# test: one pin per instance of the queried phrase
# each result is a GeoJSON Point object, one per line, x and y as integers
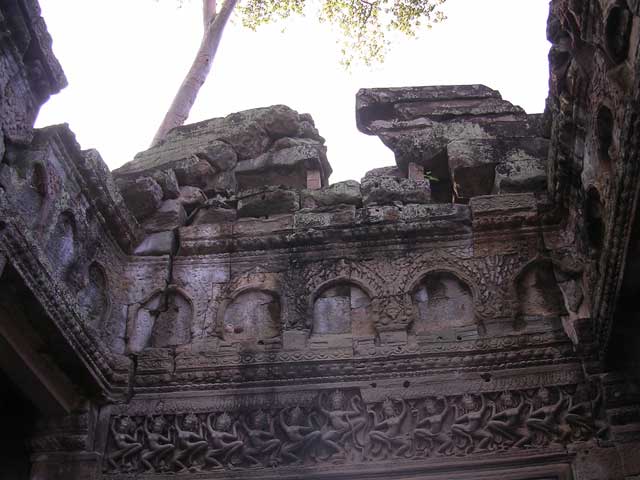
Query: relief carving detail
{"type": "Point", "coordinates": [339, 427]}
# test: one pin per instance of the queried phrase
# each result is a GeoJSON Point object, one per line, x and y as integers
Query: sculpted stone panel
{"type": "Point", "coordinates": [94, 298]}
{"type": "Point", "coordinates": [538, 293]}
{"type": "Point", "coordinates": [164, 320]}
{"type": "Point", "coordinates": [443, 302]}
{"type": "Point", "coordinates": [339, 427]}
{"type": "Point", "coordinates": [253, 316]}
{"type": "Point", "coordinates": [343, 309]}
{"type": "Point", "coordinates": [61, 246]}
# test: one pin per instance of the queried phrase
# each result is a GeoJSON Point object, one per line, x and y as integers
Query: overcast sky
{"type": "Point", "coordinates": [124, 60]}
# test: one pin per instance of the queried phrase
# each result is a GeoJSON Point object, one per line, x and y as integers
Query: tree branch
{"type": "Point", "coordinates": [208, 12]}
{"type": "Point", "coordinates": [200, 68]}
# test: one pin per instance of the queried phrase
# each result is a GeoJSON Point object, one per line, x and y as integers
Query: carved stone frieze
{"type": "Point", "coordinates": [341, 427]}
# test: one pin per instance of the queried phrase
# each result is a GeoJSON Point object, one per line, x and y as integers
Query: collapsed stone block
{"type": "Point", "coordinates": [195, 173]}
{"type": "Point", "coordinates": [170, 215]}
{"type": "Point", "coordinates": [143, 196]}
{"type": "Point", "coordinates": [263, 202]}
{"type": "Point", "coordinates": [191, 197]}
{"type": "Point", "coordinates": [160, 243]}
{"type": "Point", "coordinates": [287, 166]}
{"type": "Point", "coordinates": [214, 212]}
{"type": "Point", "coordinates": [347, 192]}
{"type": "Point", "coordinates": [168, 182]}
{"type": "Point", "coordinates": [385, 186]}
{"type": "Point", "coordinates": [472, 166]}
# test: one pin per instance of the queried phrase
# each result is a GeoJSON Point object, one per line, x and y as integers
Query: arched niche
{"type": "Point", "coordinates": [94, 297]}
{"type": "Point", "coordinates": [444, 305]}
{"type": "Point", "coordinates": [61, 247]}
{"type": "Point", "coordinates": [343, 308]}
{"type": "Point", "coordinates": [538, 293]}
{"type": "Point", "coordinates": [617, 32]}
{"type": "Point", "coordinates": [163, 320]}
{"type": "Point", "coordinates": [604, 134]}
{"type": "Point", "coordinates": [252, 316]}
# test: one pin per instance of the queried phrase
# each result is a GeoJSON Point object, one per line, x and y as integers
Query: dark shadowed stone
{"type": "Point", "coordinates": [287, 166]}
{"type": "Point", "coordinates": [191, 197]}
{"type": "Point", "coordinates": [195, 174]}
{"type": "Point", "coordinates": [347, 192]}
{"type": "Point", "coordinates": [527, 175]}
{"type": "Point", "coordinates": [472, 167]}
{"type": "Point", "coordinates": [168, 182]}
{"type": "Point", "coordinates": [214, 211]}
{"type": "Point", "coordinates": [170, 215]}
{"type": "Point", "coordinates": [483, 166]}
{"type": "Point", "coordinates": [220, 155]}
{"type": "Point", "coordinates": [160, 243]}
{"type": "Point", "coordinates": [223, 183]}
{"type": "Point", "coordinates": [143, 196]}
{"type": "Point", "coordinates": [385, 186]}
{"type": "Point", "coordinates": [262, 202]}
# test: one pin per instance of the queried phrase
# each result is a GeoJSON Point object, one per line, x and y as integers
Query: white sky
{"type": "Point", "coordinates": [125, 59]}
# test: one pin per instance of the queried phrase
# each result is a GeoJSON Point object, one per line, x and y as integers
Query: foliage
{"type": "Point", "coordinates": [365, 25]}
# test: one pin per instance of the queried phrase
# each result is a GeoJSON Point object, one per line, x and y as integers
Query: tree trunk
{"type": "Point", "coordinates": [188, 91]}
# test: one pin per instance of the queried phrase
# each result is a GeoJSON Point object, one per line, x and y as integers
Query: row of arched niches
{"type": "Point", "coordinates": [439, 307]}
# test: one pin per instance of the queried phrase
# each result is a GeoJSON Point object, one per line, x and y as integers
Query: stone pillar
{"type": "Point", "coordinates": [63, 448]}
{"type": "Point", "coordinates": [314, 180]}
{"type": "Point", "coordinates": [65, 466]}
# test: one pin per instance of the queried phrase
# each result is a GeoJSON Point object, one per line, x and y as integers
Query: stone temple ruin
{"type": "Point", "coordinates": [216, 309]}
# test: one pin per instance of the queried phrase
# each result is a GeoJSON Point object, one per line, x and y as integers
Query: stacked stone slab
{"type": "Point", "coordinates": [466, 137]}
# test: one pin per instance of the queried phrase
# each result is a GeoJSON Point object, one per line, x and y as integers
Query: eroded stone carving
{"type": "Point", "coordinates": [164, 320]}
{"type": "Point", "coordinates": [443, 303]}
{"type": "Point", "coordinates": [94, 298]}
{"type": "Point", "coordinates": [538, 293]}
{"type": "Point", "coordinates": [343, 309]}
{"type": "Point", "coordinates": [340, 427]}
{"type": "Point", "coordinates": [253, 316]}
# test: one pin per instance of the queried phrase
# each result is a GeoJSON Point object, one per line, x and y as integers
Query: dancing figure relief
{"type": "Point", "coordinates": [127, 445]}
{"type": "Point", "coordinates": [388, 431]}
{"type": "Point", "coordinates": [341, 422]}
{"type": "Point", "coordinates": [191, 443]}
{"type": "Point", "coordinates": [223, 434]}
{"type": "Point", "coordinates": [509, 422]}
{"type": "Point", "coordinates": [261, 439]}
{"type": "Point", "coordinates": [546, 417]}
{"type": "Point", "coordinates": [433, 428]}
{"type": "Point", "coordinates": [471, 425]}
{"type": "Point", "coordinates": [299, 436]}
{"type": "Point", "coordinates": [340, 427]}
{"type": "Point", "coordinates": [159, 446]}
